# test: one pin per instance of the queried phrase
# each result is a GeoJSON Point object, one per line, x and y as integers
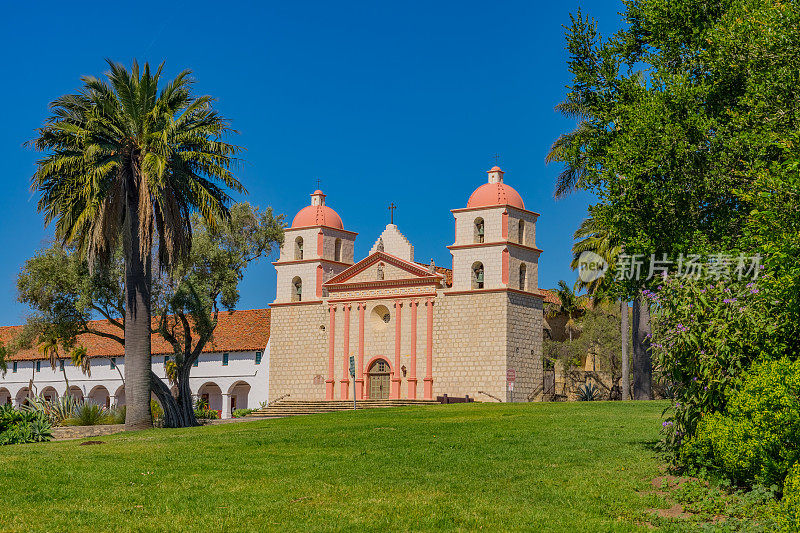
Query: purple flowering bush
{"type": "Point", "coordinates": [705, 334]}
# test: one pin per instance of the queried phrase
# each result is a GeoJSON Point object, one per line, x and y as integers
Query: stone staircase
{"type": "Point", "coordinates": [310, 407]}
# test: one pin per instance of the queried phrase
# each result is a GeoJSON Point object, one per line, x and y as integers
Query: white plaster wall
{"type": "Point", "coordinates": [241, 368]}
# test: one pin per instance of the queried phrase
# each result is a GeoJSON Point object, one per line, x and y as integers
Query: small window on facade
{"type": "Point", "coordinates": [298, 248]}
{"type": "Point", "coordinates": [258, 358]}
{"type": "Point", "coordinates": [337, 250]}
{"type": "Point", "coordinates": [196, 362]}
{"type": "Point", "coordinates": [297, 290]}
{"type": "Point", "coordinates": [479, 230]}
{"type": "Point", "coordinates": [521, 232]}
{"type": "Point", "coordinates": [14, 368]}
{"type": "Point", "coordinates": [477, 275]}
{"type": "Point", "coordinates": [61, 365]}
{"type": "Point", "coordinates": [523, 273]}
{"type": "Point", "coordinates": [166, 360]}
{"type": "Point", "coordinates": [225, 359]}
{"type": "Point", "coordinates": [38, 366]}
{"type": "Point", "coordinates": [113, 363]}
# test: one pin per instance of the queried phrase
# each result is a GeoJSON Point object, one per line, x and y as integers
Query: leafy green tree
{"type": "Point", "coordinates": [126, 163]}
{"type": "Point", "coordinates": [64, 296]}
{"type": "Point", "coordinates": [190, 300]}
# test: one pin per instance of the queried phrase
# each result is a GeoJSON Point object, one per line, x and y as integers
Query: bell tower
{"type": "Point", "coordinates": [315, 248]}
{"type": "Point", "coordinates": [495, 240]}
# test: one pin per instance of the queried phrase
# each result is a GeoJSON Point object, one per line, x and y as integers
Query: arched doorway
{"type": "Point", "coordinates": [50, 394]}
{"type": "Point", "coordinates": [77, 393]}
{"type": "Point", "coordinates": [379, 380]}
{"type": "Point", "coordinates": [99, 395]}
{"type": "Point", "coordinates": [239, 392]}
{"type": "Point", "coordinates": [211, 394]}
{"type": "Point", "coordinates": [22, 396]}
{"type": "Point", "coordinates": [5, 396]}
{"type": "Point", "coordinates": [120, 396]}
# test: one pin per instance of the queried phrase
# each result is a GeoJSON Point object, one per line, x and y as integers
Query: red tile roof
{"type": "Point", "coordinates": [446, 272]}
{"type": "Point", "coordinates": [550, 296]}
{"type": "Point", "coordinates": [237, 331]}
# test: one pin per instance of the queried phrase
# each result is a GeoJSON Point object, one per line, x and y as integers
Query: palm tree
{"type": "Point", "coordinates": [593, 236]}
{"type": "Point", "coordinates": [568, 148]}
{"type": "Point", "coordinates": [49, 348]}
{"type": "Point", "coordinates": [570, 306]}
{"type": "Point", "coordinates": [126, 164]}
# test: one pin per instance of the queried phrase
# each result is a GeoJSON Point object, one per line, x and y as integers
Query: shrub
{"type": "Point", "coordinates": [706, 333]}
{"type": "Point", "coordinates": [156, 410]}
{"type": "Point", "coordinates": [241, 413]}
{"type": "Point", "coordinates": [756, 439]}
{"type": "Point", "coordinates": [117, 414]}
{"type": "Point", "coordinates": [57, 411]}
{"type": "Point", "coordinates": [89, 414]}
{"type": "Point", "coordinates": [17, 427]}
{"type": "Point", "coordinates": [206, 414]}
{"type": "Point", "coordinates": [790, 517]}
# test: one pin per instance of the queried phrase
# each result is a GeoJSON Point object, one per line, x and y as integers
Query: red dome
{"type": "Point", "coordinates": [317, 215]}
{"type": "Point", "coordinates": [491, 194]}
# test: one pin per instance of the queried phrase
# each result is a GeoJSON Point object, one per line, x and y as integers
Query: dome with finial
{"type": "Point", "coordinates": [495, 192]}
{"type": "Point", "coordinates": [317, 214]}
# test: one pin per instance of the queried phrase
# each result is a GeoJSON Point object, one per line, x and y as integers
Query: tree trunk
{"type": "Point", "coordinates": [625, 382]}
{"type": "Point", "coordinates": [642, 369]}
{"type": "Point", "coordinates": [178, 413]}
{"type": "Point", "coordinates": [64, 371]}
{"type": "Point", "coordinates": [137, 324]}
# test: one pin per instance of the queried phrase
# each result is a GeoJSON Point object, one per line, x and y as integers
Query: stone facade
{"type": "Point", "coordinates": [413, 330]}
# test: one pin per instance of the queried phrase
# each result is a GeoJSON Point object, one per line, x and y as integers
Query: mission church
{"type": "Point", "coordinates": [415, 330]}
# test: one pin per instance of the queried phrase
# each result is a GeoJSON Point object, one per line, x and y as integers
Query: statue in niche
{"type": "Point", "coordinates": [380, 272]}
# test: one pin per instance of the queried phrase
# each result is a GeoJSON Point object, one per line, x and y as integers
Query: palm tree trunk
{"type": "Point", "coordinates": [642, 369]}
{"type": "Point", "coordinates": [137, 324]}
{"type": "Point", "coordinates": [64, 371]}
{"type": "Point", "coordinates": [625, 383]}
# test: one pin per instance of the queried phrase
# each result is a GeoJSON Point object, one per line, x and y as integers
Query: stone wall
{"type": "Point", "coordinates": [84, 432]}
{"type": "Point", "coordinates": [298, 351]}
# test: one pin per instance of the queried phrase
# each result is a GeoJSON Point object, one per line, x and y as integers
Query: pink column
{"type": "Point", "coordinates": [429, 353]}
{"type": "Point", "coordinates": [331, 349]}
{"type": "Point", "coordinates": [359, 392]}
{"type": "Point", "coordinates": [345, 381]}
{"type": "Point", "coordinates": [412, 375]}
{"type": "Point", "coordinates": [395, 395]}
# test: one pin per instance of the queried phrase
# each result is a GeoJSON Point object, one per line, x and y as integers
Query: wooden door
{"type": "Point", "coordinates": [379, 381]}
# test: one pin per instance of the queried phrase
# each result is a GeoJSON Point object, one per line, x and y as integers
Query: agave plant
{"type": "Point", "coordinates": [56, 411]}
{"type": "Point", "coordinates": [588, 392]}
{"type": "Point", "coordinates": [89, 414]}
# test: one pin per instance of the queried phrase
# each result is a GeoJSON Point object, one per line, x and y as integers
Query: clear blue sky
{"type": "Point", "coordinates": [379, 100]}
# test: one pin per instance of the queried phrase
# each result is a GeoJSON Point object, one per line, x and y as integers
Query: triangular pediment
{"type": "Point", "coordinates": [382, 267]}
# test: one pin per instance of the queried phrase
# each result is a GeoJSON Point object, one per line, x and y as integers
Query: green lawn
{"type": "Point", "coordinates": [540, 466]}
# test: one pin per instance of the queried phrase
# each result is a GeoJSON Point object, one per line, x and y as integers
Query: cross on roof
{"type": "Point", "coordinates": [496, 158]}
{"type": "Point", "coordinates": [392, 207]}
{"type": "Point", "coordinates": [317, 183]}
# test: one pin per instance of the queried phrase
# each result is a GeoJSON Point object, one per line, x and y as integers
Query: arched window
{"type": "Point", "coordinates": [479, 229]}
{"type": "Point", "coordinates": [298, 248]}
{"type": "Point", "coordinates": [337, 250]}
{"type": "Point", "coordinates": [297, 289]}
{"type": "Point", "coordinates": [523, 274]}
{"type": "Point", "coordinates": [521, 232]}
{"type": "Point", "coordinates": [477, 275]}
